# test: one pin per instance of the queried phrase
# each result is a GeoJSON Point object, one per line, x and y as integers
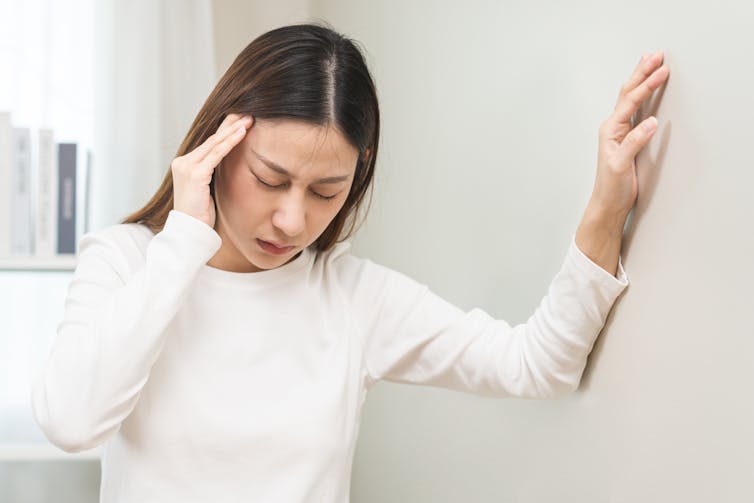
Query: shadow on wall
{"type": "Point", "coordinates": [647, 169]}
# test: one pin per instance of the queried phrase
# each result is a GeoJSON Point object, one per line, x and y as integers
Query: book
{"type": "Point", "coordinates": [22, 219]}
{"type": "Point", "coordinates": [66, 222]}
{"type": "Point", "coordinates": [6, 161]}
{"type": "Point", "coordinates": [85, 192]}
{"type": "Point", "coordinates": [46, 214]}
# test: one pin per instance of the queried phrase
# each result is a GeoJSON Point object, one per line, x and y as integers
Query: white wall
{"type": "Point", "coordinates": [238, 22]}
{"type": "Point", "coordinates": [153, 68]}
{"type": "Point", "coordinates": [490, 116]}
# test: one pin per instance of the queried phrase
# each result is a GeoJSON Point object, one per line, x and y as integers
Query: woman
{"type": "Point", "coordinates": [221, 340]}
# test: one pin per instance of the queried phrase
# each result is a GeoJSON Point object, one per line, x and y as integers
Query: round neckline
{"type": "Point", "coordinates": [260, 278]}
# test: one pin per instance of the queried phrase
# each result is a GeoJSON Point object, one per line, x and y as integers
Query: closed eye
{"type": "Point", "coordinates": [273, 187]}
{"type": "Point", "coordinates": [267, 184]}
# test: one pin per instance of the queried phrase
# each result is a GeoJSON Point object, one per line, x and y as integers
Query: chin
{"type": "Point", "coordinates": [264, 261]}
{"type": "Point", "coordinates": [260, 261]}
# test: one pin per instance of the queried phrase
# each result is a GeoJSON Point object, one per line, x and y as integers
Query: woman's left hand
{"type": "Point", "coordinates": [600, 232]}
{"type": "Point", "coordinates": [616, 188]}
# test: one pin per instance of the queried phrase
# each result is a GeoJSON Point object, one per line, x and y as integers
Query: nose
{"type": "Point", "coordinates": [290, 214]}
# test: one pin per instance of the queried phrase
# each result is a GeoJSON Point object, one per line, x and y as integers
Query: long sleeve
{"type": "Point", "coordinates": [411, 335]}
{"type": "Point", "coordinates": [115, 318]}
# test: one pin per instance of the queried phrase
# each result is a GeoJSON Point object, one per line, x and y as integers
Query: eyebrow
{"type": "Point", "coordinates": [276, 167]}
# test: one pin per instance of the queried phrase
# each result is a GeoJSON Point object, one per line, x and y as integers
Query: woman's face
{"type": "Point", "coordinates": [320, 165]}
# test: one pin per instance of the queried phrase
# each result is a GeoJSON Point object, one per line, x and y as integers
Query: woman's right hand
{"type": "Point", "coordinates": [192, 173]}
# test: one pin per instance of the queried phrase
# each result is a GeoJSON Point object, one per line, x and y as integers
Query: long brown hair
{"type": "Point", "coordinates": [306, 72]}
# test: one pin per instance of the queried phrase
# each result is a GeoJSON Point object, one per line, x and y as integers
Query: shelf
{"type": "Point", "coordinates": [56, 263]}
{"type": "Point", "coordinates": [44, 452]}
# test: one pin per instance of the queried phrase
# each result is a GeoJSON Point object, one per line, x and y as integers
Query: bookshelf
{"type": "Point", "coordinates": [47, 197]}
{"type": "Point", "coordinates": [66, 262]}
{"type": "Point", "coordinates": [44, 452]}
{"type": "Point", "coordinates": [32, 289]}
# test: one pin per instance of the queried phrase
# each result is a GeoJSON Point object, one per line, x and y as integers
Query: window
{"type": "Point", "coordinates": [46, 81]}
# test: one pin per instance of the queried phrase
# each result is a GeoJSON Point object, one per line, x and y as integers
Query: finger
{"type": "Point", "coordinates": [631, 102]}
{"type": "Point", "coordinates": [643, 70]}
{"type": "Point", "coordinates": [221, 149]}
{"type": "Point", "coordinates": [228, 125]}
{"type": "Point", "coordinates": [635, 140]}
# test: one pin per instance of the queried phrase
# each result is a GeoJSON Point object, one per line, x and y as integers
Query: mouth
{"type": "Point", "coordinates": [273, 248]}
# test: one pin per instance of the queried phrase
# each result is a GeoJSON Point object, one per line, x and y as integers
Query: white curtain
{"type": "Point", "coordinates": [46, 63]}
{"type": "Point", "coordinates": [46, 68]}
{"type": "Point", "coordinates": [124, 78]}
{"type": "Point", "coordinates": [154, 67]}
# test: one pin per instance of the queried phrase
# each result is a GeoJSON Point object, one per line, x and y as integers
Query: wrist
{"type": "Point", "coordinates": [606, 217]}
{"type": "Point", "coordinates": [600, 234]}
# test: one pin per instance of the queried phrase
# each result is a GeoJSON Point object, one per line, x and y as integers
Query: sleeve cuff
{"type": "Point", "coordinates": [596, 273]}
{"type": "Point", "coordinates": [194, 233]}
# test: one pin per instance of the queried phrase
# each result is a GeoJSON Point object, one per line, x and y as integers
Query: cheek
{"type": "Point", "coordinates": [323, 215]}
{"type": "Point", "coordinates": [243, 199]}
{"type": "Point", "coordinates": [255, 203]}
{"type": "Point", "coordinates": [327, 213]}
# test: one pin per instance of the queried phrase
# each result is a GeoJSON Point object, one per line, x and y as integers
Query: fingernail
{"type": "Point", "coordinates": [650, 124]}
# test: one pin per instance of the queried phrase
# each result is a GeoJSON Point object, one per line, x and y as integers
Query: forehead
{"type": "Point", "coordinates": [301, 148]}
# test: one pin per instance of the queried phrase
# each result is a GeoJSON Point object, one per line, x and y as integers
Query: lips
{"type": "Point", "coordinates": [276, 245]}
{"type": "Point", "coordinates": [274, 249]}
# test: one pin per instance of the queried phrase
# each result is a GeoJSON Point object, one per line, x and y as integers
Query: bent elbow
{"type": "Point", "coordinates": [66, 431]}
{"type": "Point", "coordinates": [542, 386]}
{"type": "Point", "coordinates": [558, 386]}
{"type": "Point", "coordinates": [70, 440]}
{"type": "Point", "coordinates": [69, 437]}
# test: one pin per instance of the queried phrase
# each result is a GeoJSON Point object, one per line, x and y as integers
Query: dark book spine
{"type": "Point", "coordinates": [66, 198]}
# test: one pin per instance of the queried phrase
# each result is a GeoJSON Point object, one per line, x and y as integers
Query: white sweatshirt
{"type": "Point", "coordinates": [209, 385]}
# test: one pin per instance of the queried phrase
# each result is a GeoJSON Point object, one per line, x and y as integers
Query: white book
{"type": "Point", "coordinates": [6, 161]}
{"type": "Point", "coordinates": [86, 193]}
{"type": "Point", "coordinates": [22, 232]}
{"type": "Point", "coordinates": [83, 175]}
{"type": "Point", "coordinates": [46, 205]}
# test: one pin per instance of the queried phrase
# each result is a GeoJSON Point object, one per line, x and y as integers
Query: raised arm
{"type": "Point", "coordinates": [113, 329]}
{"type": "Point", "coordinates": [116, 316]}
{"type": "Point", "coordinates": [411, 335]}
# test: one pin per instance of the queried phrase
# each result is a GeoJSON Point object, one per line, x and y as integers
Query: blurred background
{"type": "Point", "coordinates": [490, 112]}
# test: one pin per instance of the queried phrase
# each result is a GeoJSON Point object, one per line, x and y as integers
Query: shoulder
{"type": "Point", "coordinates": [357, 274]}
{"type": "Point", "coordinates": [340, 261]}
